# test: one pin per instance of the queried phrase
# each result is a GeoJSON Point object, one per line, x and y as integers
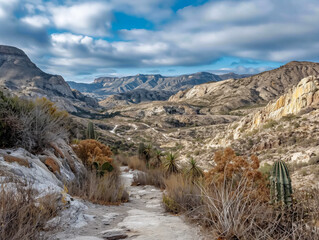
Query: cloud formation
{"type": "Point", "coordinates": [78, 37]}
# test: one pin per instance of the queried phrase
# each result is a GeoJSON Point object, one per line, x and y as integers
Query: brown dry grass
{"type": "Point", "coordinates": [136, 163]}
{"type": "Point", "coordinates": [104, 190]}
{"type": "Point", "coordinates": [22, 216]}
{"type": "Point", "coordinates": [153, 177]}
{"type": "Point", "coordinates": [20, 161]}
{"type": "Point", "coordinates": [57, 150]}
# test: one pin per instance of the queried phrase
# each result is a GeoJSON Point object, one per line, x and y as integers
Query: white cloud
{"type": "Point", "coordinates": [36, 21]}
{"type": "Point", "coordinates": [90, 18]}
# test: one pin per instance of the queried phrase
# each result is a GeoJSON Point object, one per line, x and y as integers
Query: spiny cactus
{"type": "Point", "coordinates": [90, 132]}
{"type": "Point", "coordinates": [102, 169]}
{"type": "Point", "coordinates": [281, 189]}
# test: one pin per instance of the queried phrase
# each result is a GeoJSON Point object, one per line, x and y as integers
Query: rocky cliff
{"type": "Point", "coordinates": [24, 78]}
{"type": "Point", "coordinates": [259, 89]}
{"type": "Point", "coordinates": [304, 95]}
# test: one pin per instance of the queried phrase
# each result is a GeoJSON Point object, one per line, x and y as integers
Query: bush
{"type": "Point", "coordinates": [232, 168]}
{"type": "Point", "coordinates": [181, 194]}
{"type": "Point", "coordinates": [153, 177]}
{"type": "Point", "coordinates": [32, 125]}
{"type": "Point", "coordinates": [22, 215]}
{"type": "Point", "coordinates": [105, 190]}
{"type": "Point", "coordinates": [92, 151]}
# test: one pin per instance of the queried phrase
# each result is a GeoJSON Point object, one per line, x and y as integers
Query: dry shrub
{"type": "Point", "coordinates": [106, 189]}
{"type": "Point", "coordinates": [181, 195]}
{"type": "Point", "coordinates": [32, 125]}
{"type": "Point", "coordinates": [20, 161]}
{"type": "Point", "coordinates": [153, 177]}
{"type": "Point", "coordinates": [52, 165]}
{"type": "Point", "coordinates": [91, 150]}
{"type": "Point", "coordinates": [232, 168]}
{"type": "Point", "coordinates": [136, 163]}
{"type": "Point", "coordinates": [22, 216]}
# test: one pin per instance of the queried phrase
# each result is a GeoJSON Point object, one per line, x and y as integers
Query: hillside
{"type": "Point", "coordinates": [134, 97]}
{"type": "Point", "coordinates": [255, 90]}
{"type": "Point", "coordinates": [20, 75]}
{"type": "Point", "coordinates": [105, 86]}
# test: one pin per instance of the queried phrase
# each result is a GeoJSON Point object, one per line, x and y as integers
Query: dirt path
{"type": "Point", "coordinates": [141, 218]}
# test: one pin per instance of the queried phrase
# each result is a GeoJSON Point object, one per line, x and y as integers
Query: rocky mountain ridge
{"type": "Point", "coordinates": [255, 90]}
{"type": "Point", "coordinates": [106, 86]}
{"type": "Point", "coordinates": [23, 78]}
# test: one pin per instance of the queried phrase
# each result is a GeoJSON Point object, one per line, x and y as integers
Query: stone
{"type": "Point", "coordinates": [114, 234]}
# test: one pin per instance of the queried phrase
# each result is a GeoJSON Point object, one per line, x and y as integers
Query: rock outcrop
{"type": "Point", "coordinates": [255, 90]}
{"type": "Point", "coordinates": [305, 94]}
{"type": "Point", "coordinates": [25, 79]}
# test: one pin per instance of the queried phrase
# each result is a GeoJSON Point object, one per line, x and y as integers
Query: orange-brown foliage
{"type": "Point", "coordinates": [52, 165]}
{"type": "Point", "coordinates": [20, 161]}
{"type": "Point", "coordinates": [230, 167]}
{"type": "Point", "coordinates": [90, 151]}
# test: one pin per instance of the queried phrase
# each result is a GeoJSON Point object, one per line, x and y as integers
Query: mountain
{"type": "Point", "coordinates": [233, 75]}
{"type": "Point", "coordinates": [105, 86]}
{"type": "Point", "coordinates": [21, 76]}
{"type": "Point", "coordinates": [134, 97]}
{"type": "Point", "coordinates": [224, 96]}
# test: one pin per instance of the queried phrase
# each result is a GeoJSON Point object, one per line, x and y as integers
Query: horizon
{"type": "Point", "coordinates": [84, 39]}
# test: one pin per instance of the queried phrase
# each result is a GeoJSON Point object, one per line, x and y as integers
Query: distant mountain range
{"type": "Point", "coordinates": [19, 75]}
{"type": "Point", "coordinates": [106, 86]}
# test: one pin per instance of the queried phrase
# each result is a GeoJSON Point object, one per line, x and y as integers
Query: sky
{"type": "Point", "coordinates": [84, 39]}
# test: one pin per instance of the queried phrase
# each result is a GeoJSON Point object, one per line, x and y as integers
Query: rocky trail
{"type": "Point", "coordinates": [143, 217]}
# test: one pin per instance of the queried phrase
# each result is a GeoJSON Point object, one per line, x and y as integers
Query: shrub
{"type": "Point", "coordinates": [153, 177]}
{"type": "Point", "coordinates": [30, 124]}
{"type": "Point", "coordinates": [90, 151]}
{"type": "Point", "coordinates": [106, 189]}
{"type": "Point", "coordinates": [136, 164]}
{"type": "Point", "coordinates": [231, 167]}
{"type": "Point", "coordinates": [22, 215]}
{"type": "Point", "coordinates": [181, 194]}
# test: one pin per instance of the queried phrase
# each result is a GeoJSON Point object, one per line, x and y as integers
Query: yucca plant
{"type": "Point", "coordinates": [170, 164]}
{"type": "Point", "coordinates": [281, 189]}
{"type": "Point", "coordinates": [158, 158]}
{"type": "Point", "coordinates": [148, 154]}
{"type": "Point", "coordinates": [194, 171]}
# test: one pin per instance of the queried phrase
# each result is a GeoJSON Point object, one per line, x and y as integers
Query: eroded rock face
{"type": "Point", "coordinates": [19, 75]}
{"type": "Point", "coordinates": [304, 95]}
{"type": "Point", "coordinates": [246, 92]}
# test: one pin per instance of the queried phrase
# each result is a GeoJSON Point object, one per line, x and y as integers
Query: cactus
{"type": "Point", "coordinates": [281, 189]}
{"type": "Point", "coordinates": [90, 132]}
{"type": "Point", "coordinates": [101, 169]}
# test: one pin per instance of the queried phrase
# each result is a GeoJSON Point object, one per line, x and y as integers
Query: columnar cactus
{"type": "Point", "coordinates": [281, 189]}
{"type": "Point", "coordinates": [90, 132]}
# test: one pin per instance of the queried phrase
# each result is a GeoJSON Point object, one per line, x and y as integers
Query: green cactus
{"type": "Point", "coordinates": [90, 132]}
{"type": "Point", "coordinates": [281, 189]}
{"type": "Point", "coordinates": [102, 169]}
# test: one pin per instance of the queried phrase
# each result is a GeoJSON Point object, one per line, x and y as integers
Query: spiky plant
{"type": "Point", "coordinates": [194, 171]}
{"type": "Point", "coordinates": [170, 164]}
{"type": "Point", "coordinates": [281, 189]}
{"type": "Point", "coordinates": [158, 158]}
{"type": "Point", "coordinates": [148, 153]}
{"type": "Point", "coordinates": [90, 132]}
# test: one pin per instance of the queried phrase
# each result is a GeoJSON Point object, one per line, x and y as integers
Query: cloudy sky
{"type": "Point", "coordinates": [84, 39]}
